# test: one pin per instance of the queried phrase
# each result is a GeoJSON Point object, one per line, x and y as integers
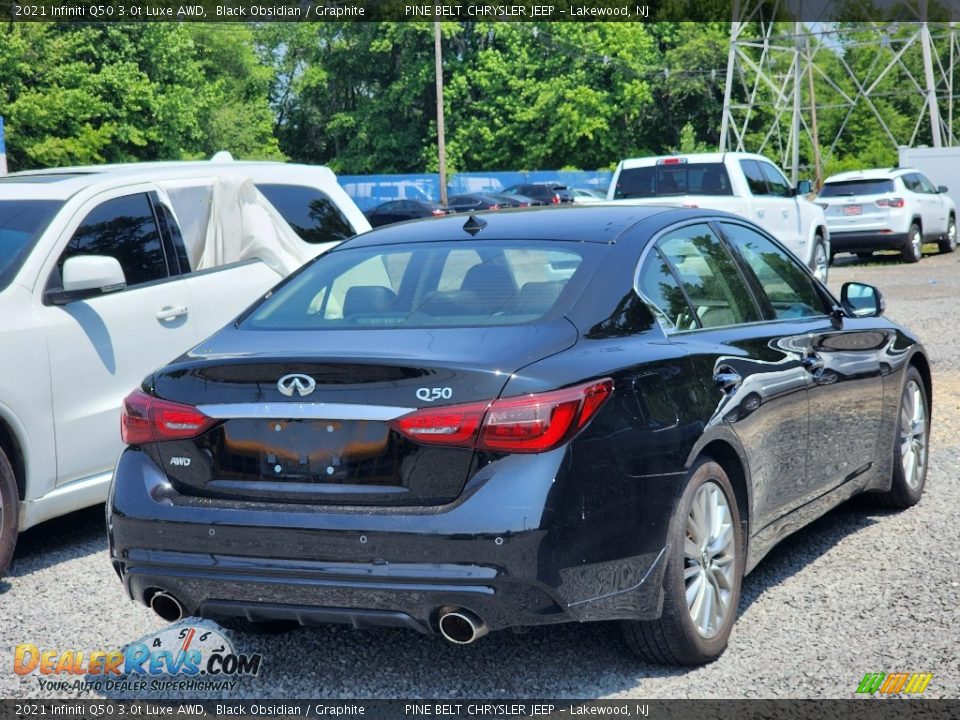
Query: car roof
{"type": "Point", "coordinates": [64, 182]}
{"type": "Point", "coordinates": [871, 174]}
{"type": "Point", "coordinates": [715, 157]}
{"type": "Point", "coordinates": [593, 223]}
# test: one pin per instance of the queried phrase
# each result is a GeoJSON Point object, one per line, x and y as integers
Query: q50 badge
{"type": "Point", "coordinates": [434, 394]}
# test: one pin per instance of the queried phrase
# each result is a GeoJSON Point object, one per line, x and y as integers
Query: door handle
{"type": "Point", "coordinates": [760, 213]}
{"type": "Point", "coordinates": [812, 363]}
{"type": "Point", "coordinates": [785, 212]}
{"type": "Point", "coordinates": [171, 313]}
{"type": "Point", "coordinates": [727, 379]}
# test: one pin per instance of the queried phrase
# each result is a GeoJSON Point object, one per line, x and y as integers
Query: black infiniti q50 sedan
{"type": "Point", "coordinates": [462, 425]}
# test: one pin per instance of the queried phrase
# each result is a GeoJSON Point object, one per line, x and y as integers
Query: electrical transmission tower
{"type": "Point", "coordinates": [780, 73]}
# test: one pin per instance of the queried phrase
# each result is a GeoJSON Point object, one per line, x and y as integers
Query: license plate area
{"type": "Point", "coordinates": [852, 209]}
{"type": "Point", "coordinates": [328, 452]}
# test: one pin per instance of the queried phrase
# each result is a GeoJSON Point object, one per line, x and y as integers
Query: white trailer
{"type": "Point", "coordinates": [941, 166]}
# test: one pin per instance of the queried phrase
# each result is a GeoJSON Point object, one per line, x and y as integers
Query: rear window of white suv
{"type": "Point", "coordinates": [857, 187]}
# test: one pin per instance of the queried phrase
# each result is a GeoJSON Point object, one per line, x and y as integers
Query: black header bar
{"type": "Point", "coordinates": [810, 11]}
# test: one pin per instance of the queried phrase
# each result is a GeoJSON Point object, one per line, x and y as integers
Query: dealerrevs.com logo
{"type": "Point", "coordinates": [894, 683]}
{"type": "Point", "coordinates": [181, 657]}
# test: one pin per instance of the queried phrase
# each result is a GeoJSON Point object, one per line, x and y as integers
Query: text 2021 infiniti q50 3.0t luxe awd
{"type": "Point", "coordinates": [597, 413]}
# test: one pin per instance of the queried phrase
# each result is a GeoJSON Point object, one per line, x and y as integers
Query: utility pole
{"type": "Point", "coordinates": [441, 142]}
{"type": "Point", "coordinates": [735, 27]}
{"type": "Point", "coordinates": [815, 135]}
{"type": "Point", "coordinates": [928, 76]}
{"type": "Point", "coordinates": [795, 124]}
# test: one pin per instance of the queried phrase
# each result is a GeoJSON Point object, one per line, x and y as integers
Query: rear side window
{"type": "Point", "coordinates": [21, 223]}
{"type": "Point", "coordinates": [678, 179]}
{"type": "Point", "coordinates": [124, 228]}
{"type": "Point", "coordinates": [788, 287]}
{"type": "Point", "coordinates": [311, 213]}
{"type": "Point", "coordinates": [660, 289]}
{"type": "Point", "coordinates": [755, 179]}
{"type": "Point", "coordinates": [711, 281]}
{"type": "Point", "coordinates": [428, 285]}
{"type": "Point", "coordinates": [848, 188]}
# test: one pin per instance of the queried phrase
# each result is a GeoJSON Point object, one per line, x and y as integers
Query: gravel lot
{"type": "Point", "coordinates": [860, 590]}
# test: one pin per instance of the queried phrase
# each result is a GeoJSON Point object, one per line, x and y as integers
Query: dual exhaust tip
{"type": "Point", "coordinates": [167, 606]}
{"type": "Point", "coordinates": [461, 627]}
{"type": "Point", "coordinates": [457, 625]}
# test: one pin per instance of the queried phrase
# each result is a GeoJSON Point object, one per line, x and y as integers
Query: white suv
{"type": "Point", "coordinates": [99, 286]}
{"type": "Point", "coordinates": [897, 209]}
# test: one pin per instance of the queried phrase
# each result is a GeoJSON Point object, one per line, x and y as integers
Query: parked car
{"type": "Point", "coordinates": [546, 193]}
{"type": "Point", "coordinates": [99, 284]}
{"type": "Point", "coordinates": [474, 202]}
{"type": "Point", "coordinates": [601, 413]}
{"type": "Point", "coordinates": [888, 209]}
{"type": "Point", "coordinates": [516, 200]}
{"type": "Point", "coordinates": [367, 194]}
{"type": "Point", "coordinates": [742, 183]}
{"type": "Point", "coordinates": [402, 210]}
{"type": "Point", "coordinates": [587, 196]}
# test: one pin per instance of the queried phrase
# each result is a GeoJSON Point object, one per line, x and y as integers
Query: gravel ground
{"type": "Point", "coordinates": [860, 590]}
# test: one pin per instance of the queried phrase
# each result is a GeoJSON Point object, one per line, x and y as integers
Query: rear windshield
{"type": "Point", "coordinates": [857, 187]}
{"type": "Point", "coordinates": [437, 284]}
{"type": "Point", "coordinates": [667, 180]}
{"type": "Point", "coordinates": [21, 223]}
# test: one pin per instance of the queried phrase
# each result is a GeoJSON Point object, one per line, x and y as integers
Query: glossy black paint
{"type": "Point", "coordinates": [576, 533]}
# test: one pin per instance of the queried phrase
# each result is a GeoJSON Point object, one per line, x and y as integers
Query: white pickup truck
{"type": "Point", "coordinates": [741, 183]}
{"type": "Point", "coordinates": [109, 272]}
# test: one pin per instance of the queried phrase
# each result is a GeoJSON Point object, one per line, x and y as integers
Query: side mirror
{"type": "Point", "coordinates": [804, 187]}
{"type": "Point", "coordinates": [861, 301]}
{"type": "Point", "coordinates": [87, 276]}
{"type": "Point", "coordinates": [941, 188]}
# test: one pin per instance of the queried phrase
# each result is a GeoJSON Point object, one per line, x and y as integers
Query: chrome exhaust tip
{"type": "Point", "coordinates": [461, 627]}
{"type": "Point", "coordinates": [167, 606]}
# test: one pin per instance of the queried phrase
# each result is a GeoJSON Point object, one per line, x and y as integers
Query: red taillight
{"type": "Point", "coordinates": [493, 207]}
{"type": "Point", "coordinates": [555, 200]}
{"type": "Point", "coordinates": [449, 425]}
{"type": "Point", "coordinates": [891, 202]}
{"type": "Point", "coordinates": [146, 419]}
{"type": "Point", "coordinates": [526, 424]}
{"type": "Point", "coordinates": [671, 161]}
{"type": "Point", "coordinates": [438, 212]}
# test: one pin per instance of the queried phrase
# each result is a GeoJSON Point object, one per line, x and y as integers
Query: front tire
{"type": "Point", "coordinates": [703, 576]}
{"type": "Point", "coordinates": [821, 261]}
{"type": "Point", "coordinates": [949, 242]}
{"type": "Point", "coordinates": [912, 251]}
{"type": "Point", "coordinates": [911, 446]}
{"type": "Point", "coordinates": [9, 505]}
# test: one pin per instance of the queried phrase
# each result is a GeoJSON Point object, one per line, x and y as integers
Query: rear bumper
{"type": "Point", "coordinates": [498, 552]}
{"type": "Point", "coordinates": [865, 241]}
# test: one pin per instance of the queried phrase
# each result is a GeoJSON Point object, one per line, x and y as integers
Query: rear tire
{"type": "Point", "coordinates": [949, 242]}
{"type": "Point", "coordinates": [912, 250]}
{"type": "Point", "coordinates": [911, 445]}
{"type": "Point", "coordinates": [9, 507]}
{"type": "Point", "coordinates": [705, 564]}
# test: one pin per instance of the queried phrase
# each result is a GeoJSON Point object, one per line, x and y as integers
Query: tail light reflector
{"type": "Point", "coordinates": [526, 424]}
{"type": "Point", "coordinates": [555, 199]}
{"type": "Point", "coordinates": [146, 419]}
{"type": "Point", "coordinates": [891, 202]}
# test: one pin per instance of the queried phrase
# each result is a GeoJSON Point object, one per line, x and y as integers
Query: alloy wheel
{"type": "Point", "coordinates": [913, 434]}
{"type": "Point", "coordinates": [916, 241]}
{"type": "Point", "coordinates": [952, 235]}
{"type": "Point", "coordinates": [709, 560]}
{"type": "Point", "coordinates": [820, 263]}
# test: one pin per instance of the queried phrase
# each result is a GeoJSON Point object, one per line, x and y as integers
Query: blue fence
{"type": "Point", "coordinates": [368, 191]}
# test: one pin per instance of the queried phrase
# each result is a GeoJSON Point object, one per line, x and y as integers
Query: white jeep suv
{"type": "Point", "coordinates": [892, 209]}
{"type": "Point", "coordinates": [100, 284]}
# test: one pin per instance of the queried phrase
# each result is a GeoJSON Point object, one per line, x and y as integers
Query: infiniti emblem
{"type": "Point", "coordinates": [302, 384]}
